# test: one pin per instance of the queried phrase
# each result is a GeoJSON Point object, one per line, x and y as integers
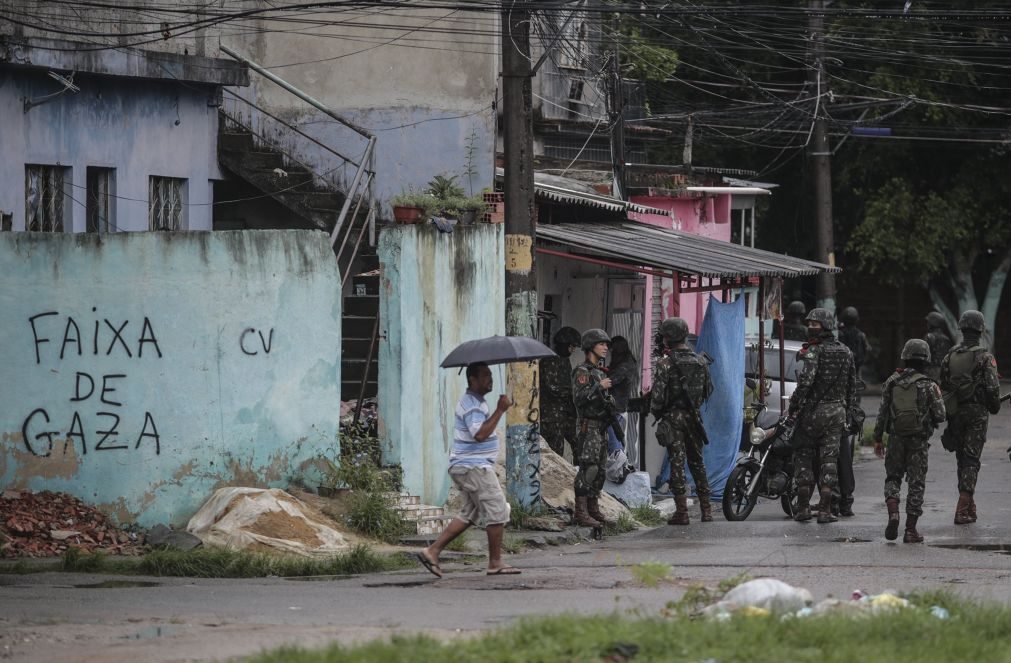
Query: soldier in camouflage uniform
{"type": "Point", "coordinates": [854, 339]}
{"type": "Point", "coordinates": [793, 322]}
{"type": "Point", "coordinates": [969, 376]}
{"type": "Point", "coordinates": [591, 394]}
{"type": "Point", "coordinates": [825, 390]}
{"type": "Point", "coordinates": [939, 341]}
{"type": "Point", "coordinates": [558, 414]}
{"type": "Point", "coordinates": [911, 408]}
{"type": "Point", "coordinates": [681, 384]}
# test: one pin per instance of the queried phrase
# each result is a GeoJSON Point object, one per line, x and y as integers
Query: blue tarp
{"type": "Point", "coordinates": [722, 338]}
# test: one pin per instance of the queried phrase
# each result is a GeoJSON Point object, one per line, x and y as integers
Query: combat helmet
{"type": "Point", "coordinates": [593, 336]}
{"type": "Point", "coordinates": [916, 348]}
{"type": "Point", "coordinates": [971, 320]}
{"type": "Point", "coordinates": [566, 336]}
{"type": "Point", "coordinates": [822, 315]}
{"type": "Point", "coordinates": [796, 309]}
{"type": "Point", "coordinates": [673, 330]}
{"type": "Point", "coordinates": [935, 320]}
{"type": "Point", "coordinates": [849, 316]}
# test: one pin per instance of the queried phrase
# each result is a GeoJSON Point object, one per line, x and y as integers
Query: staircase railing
{"type": "Point", "coordinates": [285, 137]}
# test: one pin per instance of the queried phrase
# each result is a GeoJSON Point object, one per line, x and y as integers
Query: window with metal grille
{"type": "Point", "coordinates": [46, 198]}
{"type": "Point", "coordinates": [166, 203]}
{"type": "Point", "coordinates": [98, 208]}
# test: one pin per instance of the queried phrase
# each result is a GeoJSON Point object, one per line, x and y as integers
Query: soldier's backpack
{"type": "Point", "coordinates": [695, 377]}
{"type": "Point", "coordinates": [907, 415]}
{"type": "Point", "coordinates": [961, 376]}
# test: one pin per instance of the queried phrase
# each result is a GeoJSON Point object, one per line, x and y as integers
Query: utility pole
{"type": "Point", "coordinates": [523, 451]}
{"type": "Point", "coordinates": [616, 118]}
{"type": "Point", "coordinates": [820, 153]}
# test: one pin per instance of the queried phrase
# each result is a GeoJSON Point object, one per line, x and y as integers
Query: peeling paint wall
{"type": "Point", "coordinates": [436, 291]}
{"type": "Point", "coordinates": [138, 128]}
{"type": "Point", "coordinates": [145, 370]}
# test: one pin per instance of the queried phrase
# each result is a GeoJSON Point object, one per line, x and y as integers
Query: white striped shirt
{"type": "Point", "coordinates": [471, 413]}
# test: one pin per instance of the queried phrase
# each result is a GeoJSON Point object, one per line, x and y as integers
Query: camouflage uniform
{"type": "Point", "coordinates": [940, 343]}
{"type": "Point", "coordinates": [825, 390]}
{"type": "Point", "coordinates": [593, 407]}
{"type": "Point", "coordinates": [969, 423]}
{"type": "Point", "coordinates": [856, 341]}
{"type": "Point", "coordinates": [670, 406]}
{"type": "Point", "coordinates": [558, 413]}
{"type": "Point", "coordinates": [907, 454]}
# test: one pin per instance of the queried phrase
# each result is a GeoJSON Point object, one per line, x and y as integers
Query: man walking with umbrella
{"type": "Point", "coordinates": [472, 468]}
{"type": "Point", "coordinates": [595, 409]}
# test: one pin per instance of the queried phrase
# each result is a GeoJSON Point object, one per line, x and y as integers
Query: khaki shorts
{"type": "Point", "coordinates": [483, 499]}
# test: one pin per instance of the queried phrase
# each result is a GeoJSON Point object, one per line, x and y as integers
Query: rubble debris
{"type": "Point", "coordinates": [46, 524]}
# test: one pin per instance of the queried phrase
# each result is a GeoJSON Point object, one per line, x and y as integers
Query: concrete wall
{"type": "Point", "coordinates": [436, 291]}
{"type": "Point", "coordinates": [145, 370]}
{"type": "Point", "coordinates": [422, 93]}
{"type": "Point", "coordinates": [139, 128]}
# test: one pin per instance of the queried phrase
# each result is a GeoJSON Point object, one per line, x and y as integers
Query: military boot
{"type": "Point", "coordinates": [825, 507]}
{"type": "Point", "coordinates": [803, 512]}
{"type": "Point", "coordinates": [593, 508]}
{"type": "Point", "coordinates": [911, 535]}
{"type": "Point", "coordinates": [962, 516]}
{"type": "Point", "coordinates": [972, 506]}
{"type": "Point", "coordinates": [707, 509]}
{"type": "Point", "coordinates": [680, 516]}
{"type": "Point", "coordinates": [582, 516]}
{"type": "Point", "coordinates": [892, 530]}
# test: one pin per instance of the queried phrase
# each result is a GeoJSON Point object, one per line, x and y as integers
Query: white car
{"type": "Point", "coordinates": [793, 365]}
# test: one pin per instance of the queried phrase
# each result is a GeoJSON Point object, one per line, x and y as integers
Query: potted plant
{"type": "Point", "coordinates": [411, 206]}
{"type": "Point", "coordinates": [470, 209]}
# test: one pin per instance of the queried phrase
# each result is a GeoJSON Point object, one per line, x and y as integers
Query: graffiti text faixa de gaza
{"type": "Point", "coordinates": [100, 419]}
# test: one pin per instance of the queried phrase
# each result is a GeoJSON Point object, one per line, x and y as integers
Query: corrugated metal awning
{"type": "Point", "coordinates": [561, 195]}
{"type": "Point", "coordinates": [648, 246]}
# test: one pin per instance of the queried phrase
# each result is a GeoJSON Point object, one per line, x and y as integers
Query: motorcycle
{"type": "Point", "coordinates": [765, 470]}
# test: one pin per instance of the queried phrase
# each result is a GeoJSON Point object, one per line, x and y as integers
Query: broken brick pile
{"type": "Point", "coordinates": [46, 524]}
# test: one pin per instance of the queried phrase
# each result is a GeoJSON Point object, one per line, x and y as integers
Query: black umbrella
{"type": "Point", "coordinates": [497, 350]}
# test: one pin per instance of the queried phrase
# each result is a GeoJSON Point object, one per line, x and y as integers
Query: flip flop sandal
{"type": "Point", "coordinates": [433, 567]}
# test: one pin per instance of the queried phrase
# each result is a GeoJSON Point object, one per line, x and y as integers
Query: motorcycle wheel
{"type": "Point", "coordinates": [736, 505]}
{"type": "Point", "coordinates": [787, 501]}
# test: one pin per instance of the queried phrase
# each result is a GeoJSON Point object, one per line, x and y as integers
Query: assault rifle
{"type": "Point", "coordinates": [694, 416]}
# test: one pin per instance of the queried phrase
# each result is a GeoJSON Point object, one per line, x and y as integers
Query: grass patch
{"type": "Point", "coordinates": [974, 632]}
{"type": "Point", "coordinates": [650, 574]}
{"type": "Point", "coordinates": [374, 514]}
{"type": "Point", "coordinates": [459, 544]}
{"type": "Point", "coordinates": [519, 513]}
{"type": "Point", "coordinates": [224, 563]}
{"type": "Point", "coordinates": [648, 516]}
{"type": "Point", "coordinates": [512, 544]}
{"type": "Point", "coordinates": [625, 523]}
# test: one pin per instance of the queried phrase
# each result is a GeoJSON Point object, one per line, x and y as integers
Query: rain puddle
{"type": "Point", "coordinates": [118, 584]}
{"type": "Point", "coordinates": [850, 539]}
{"type": "Point", "coordinates": [1003, 548]}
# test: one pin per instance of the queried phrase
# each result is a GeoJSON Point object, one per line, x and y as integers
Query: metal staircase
{"type": "Point", "coordinates": [324, 189]}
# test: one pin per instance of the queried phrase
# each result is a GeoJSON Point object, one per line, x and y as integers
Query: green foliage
{"type": "Point", "coordinates": [519, 513]}
{"type": "Point", "coordinates": [412, 198]}
{"type": "Point", "coordinates": [512, 544]}
{"type": "Point", "coordinates": [444, 188]}
{"type": "Point", "coordinates": [623, 525]}
{"type": "Point", "coordinates": [648, 516]}
{"type": "Point", "coordinates": [650, 574]}
{"type": "Point", "coordinates": [224, 563]}
{"type": "Point", "coordinates": [374, 514]}
{"type": "Point", "coordinates": [976, 632]}
{"type": "Point", "coordinates": [469, 168]}
{"type": "Point", "coordinates": [643, 59]}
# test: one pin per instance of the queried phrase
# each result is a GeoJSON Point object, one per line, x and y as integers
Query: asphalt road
{"type": "Point", "coordinates": [56, 617]}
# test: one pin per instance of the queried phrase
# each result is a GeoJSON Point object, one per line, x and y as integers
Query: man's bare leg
{"type": "Point", "coordinates": [456, 527]}
{"type": "Point", "coordinates": [495, 563]}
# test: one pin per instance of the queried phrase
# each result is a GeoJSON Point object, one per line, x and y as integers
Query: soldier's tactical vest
{"type": "Point", "coordinates": [598, 409]}
{"type": "Point", "coordinates": [833, 364]}
{"type": "Point", "coordinates": [694, 386]}
{"type": "Point", "coordinates": [906, 415]}
{"type": "Point", "coordinates": [962, 375]}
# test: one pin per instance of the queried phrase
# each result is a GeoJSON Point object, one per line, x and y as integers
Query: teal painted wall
{"type": "Point", "coordinates": [216, 362]}
{"type": "Point", "coordinates": [437, 291]}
